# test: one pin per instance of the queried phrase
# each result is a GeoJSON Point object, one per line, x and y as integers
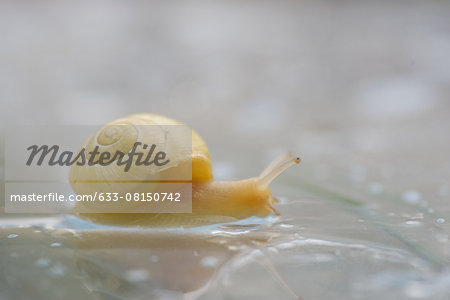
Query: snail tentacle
{"type": "Point", "coordinates": [275, 163]}
{"type": "Point", "coordinates": [268, 178]}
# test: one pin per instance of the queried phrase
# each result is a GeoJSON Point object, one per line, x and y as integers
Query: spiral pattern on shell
{"type": "Point", "coordinates": [120, 136]}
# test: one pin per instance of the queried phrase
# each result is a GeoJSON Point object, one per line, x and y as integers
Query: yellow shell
{"type": "Point", "coordinates": [121, 135]}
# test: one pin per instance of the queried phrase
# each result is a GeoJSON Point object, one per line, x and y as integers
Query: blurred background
{"type": "Point", "coordinates": [359, 89]}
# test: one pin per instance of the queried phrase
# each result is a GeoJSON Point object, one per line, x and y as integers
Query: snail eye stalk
{"type": "Point", "coordinates": [275, 163]}
{"type": "Point", "coordinates": [268, 176]}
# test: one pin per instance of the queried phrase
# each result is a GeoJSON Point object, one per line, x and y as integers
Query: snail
{"type": "Point", "coordinates": [212, 201]}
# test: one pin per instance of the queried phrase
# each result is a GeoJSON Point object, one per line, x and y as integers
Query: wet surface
{"type": "Point", "coordinates": [359, 90]}
{"type": "Point", "coordinates": [321, 247]}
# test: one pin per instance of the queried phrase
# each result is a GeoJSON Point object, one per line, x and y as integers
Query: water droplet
{"type": "Point", "coordinates": [440, 220]}
{"type": "Point", "coordinates": [56, 244]}
{"type": "Point", "coordinates": [286, 225]}
{"type": "Point", "coordinates": [42, 262]}
{"type": "Point", "coordinates": [412, 223]}
{"type": "Point", "coordinates": [209, 261]}
{"type": "Point", "coordinates": [137, 275]}
{"type": "Point", "coordinates": [12, 235]}
{"type": "Point", "coordinates": [411, 197]}
{"type": "Point", "coordinates": [430, 210]}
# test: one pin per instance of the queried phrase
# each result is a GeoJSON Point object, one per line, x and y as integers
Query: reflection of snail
{"type": "Point", "coordinates": [212, 201]}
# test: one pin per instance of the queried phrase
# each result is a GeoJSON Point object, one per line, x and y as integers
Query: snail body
{"type": "Point", "coordinates": [212, 201]}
